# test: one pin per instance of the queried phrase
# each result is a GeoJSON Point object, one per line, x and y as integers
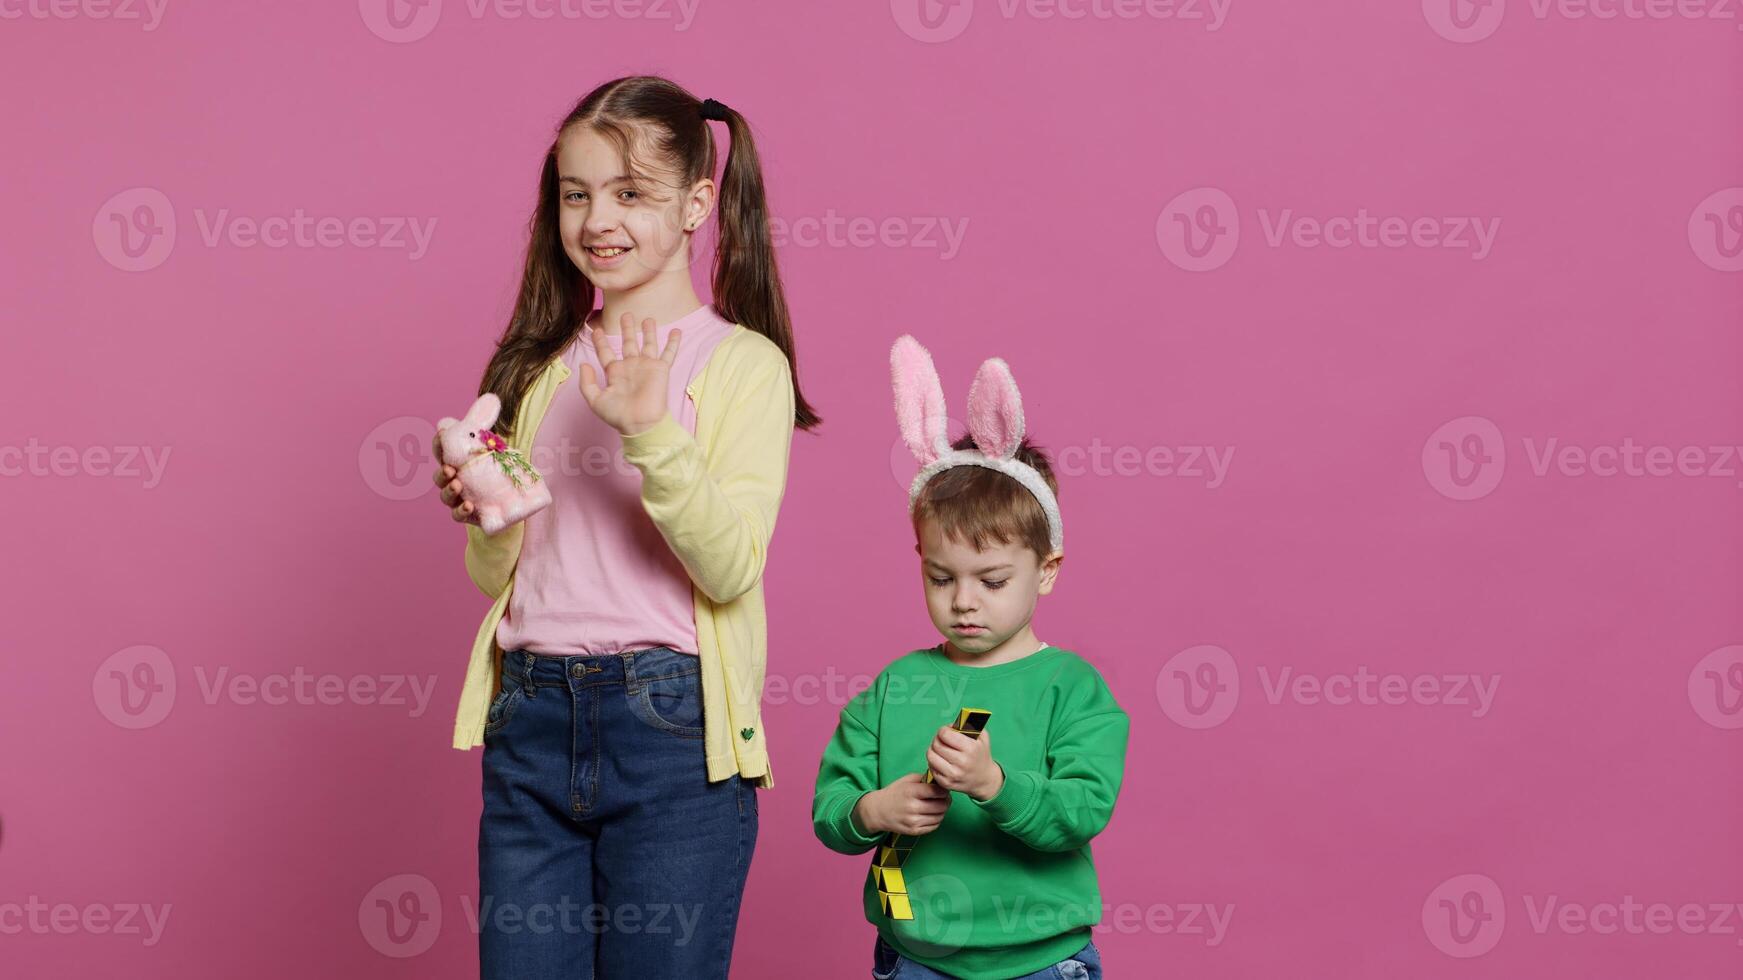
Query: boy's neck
{"type": "Point", "coordinates": [1020, 644]}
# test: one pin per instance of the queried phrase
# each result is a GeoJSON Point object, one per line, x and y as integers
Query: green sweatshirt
{"type": "Point", "coordinates": [1005, 887]}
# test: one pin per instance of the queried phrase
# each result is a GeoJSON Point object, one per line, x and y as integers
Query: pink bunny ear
{"type": "Point", "coordinates": [484, 411]}
{"type": "Point", "coordinates": [995, 410]}
{"type": "Point", "coordinates": [919, 399]}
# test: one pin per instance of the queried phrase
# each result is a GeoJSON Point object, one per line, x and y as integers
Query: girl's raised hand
{"type": "Point", "coordinates": [633, 398]}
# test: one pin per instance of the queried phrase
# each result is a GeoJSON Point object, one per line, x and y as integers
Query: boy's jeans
{"type": "Point", "coordinates": [887, 964]}
{"type": "Point", "coordinates": [603, 849]}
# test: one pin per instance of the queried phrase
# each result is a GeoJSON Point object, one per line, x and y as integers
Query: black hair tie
{"type": "Point", "coordinates": [713, 110]}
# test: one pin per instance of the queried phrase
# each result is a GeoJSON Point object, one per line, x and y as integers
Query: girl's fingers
{"type": "Point", "coordinates": [650, 344]}
{"type": "Point", "coordinates": [590, 389]}
{"type": "Point", "coordinates": [603, 348]}
{"type": "Point", "coordinates": [632, 338]}
{"type": "Point", "coordinates": [670, 354]}
{"type": "Point", "coordinates": [625, 328]}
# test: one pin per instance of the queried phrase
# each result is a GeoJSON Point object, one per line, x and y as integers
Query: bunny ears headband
{"type": "Point", "coordinates": [995, 421]}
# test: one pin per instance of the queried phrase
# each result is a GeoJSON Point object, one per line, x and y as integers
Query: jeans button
{"type": "Point", "coordinates": [576, 670]}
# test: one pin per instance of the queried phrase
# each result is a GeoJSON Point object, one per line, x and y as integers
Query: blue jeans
{"type": "Point", "coordinates": [603, 849]}
{"type": "Point", "coordinates": [887, 964]}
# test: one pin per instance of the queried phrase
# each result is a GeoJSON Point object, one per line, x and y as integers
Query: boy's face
{"type": "Point", "coordinates": [981, 599]}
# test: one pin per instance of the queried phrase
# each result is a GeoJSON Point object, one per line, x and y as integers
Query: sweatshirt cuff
{"type": "Point", "coordinates": [849, 829]}
{"type": "Point", "coordinates": [1019, 795]}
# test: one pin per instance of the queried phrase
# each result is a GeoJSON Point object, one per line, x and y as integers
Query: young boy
{"type": "Point", "coordinates": [984, 872]}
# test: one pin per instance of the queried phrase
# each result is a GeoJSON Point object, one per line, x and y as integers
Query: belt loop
{"type": "Point", "coordinates": [526, 673]}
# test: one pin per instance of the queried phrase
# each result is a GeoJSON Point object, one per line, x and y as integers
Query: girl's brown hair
{"type": "Point", "coordinates": [555, 297]}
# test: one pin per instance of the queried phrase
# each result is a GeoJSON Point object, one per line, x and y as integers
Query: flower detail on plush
{"type": "Point", "coordinates": [490, 471]}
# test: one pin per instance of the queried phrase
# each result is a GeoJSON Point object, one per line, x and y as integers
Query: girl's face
{"type": "Point", "coordinates": [620, 232]}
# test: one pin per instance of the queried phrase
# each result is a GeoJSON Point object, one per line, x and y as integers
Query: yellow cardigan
{"type": "Point", "coordinates": [714, 498]}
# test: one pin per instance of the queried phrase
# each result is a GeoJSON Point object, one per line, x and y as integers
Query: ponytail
{"type": "Point", "coordinates": [747, 285]}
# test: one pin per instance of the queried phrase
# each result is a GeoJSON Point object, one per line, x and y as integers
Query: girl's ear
{"type": "Point", "coordinates": [995, 410]}
{"type": "Point", "coordinates": [919, 400]}
{"type": "Point", "coordinates": [701, 203]}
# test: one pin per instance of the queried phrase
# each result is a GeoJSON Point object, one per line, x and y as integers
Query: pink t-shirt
{"type": "Point", "coordinates": [594, 575]}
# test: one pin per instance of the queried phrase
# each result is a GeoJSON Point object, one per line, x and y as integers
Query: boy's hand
{"type": "Point", "coordinates": [909, 806]}
{"type": "Point", "coordinates": [965, 764]}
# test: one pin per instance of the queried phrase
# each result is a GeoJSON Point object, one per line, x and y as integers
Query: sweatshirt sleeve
{"type": "Point", "coordinates": [718, 514]}
{"type": "Point", "coordinates": [849, 770]}
{"type": "Point", "coordinates": [1067, 804]}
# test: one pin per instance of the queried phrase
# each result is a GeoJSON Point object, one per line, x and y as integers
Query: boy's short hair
{"type": "Point", "coordinates": [980, 505]}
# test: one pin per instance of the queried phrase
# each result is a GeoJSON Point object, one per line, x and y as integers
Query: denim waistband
{"type": "Point", "coordinates": [630, 669]}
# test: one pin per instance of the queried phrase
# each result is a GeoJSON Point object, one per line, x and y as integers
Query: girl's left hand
{"type": "Point", "coordinates": [965, 764]}
{"type": "Point", "coordinates": [634, 396]}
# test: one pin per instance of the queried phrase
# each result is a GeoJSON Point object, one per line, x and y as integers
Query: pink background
{"type": "Point", "coordinates": [283, 383]}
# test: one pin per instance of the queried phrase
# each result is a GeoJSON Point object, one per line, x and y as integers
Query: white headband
{"type": "Point", "coordinates": [995, 421]}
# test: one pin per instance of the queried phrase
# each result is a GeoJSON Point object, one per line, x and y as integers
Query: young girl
{"type": "Point", "coordinates": [616, 682]}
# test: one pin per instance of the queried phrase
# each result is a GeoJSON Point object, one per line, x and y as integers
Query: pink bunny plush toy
{"type": "Point", "coordinates": [995, 421]}
{"type": "Point", "coordinates": [502, 486]}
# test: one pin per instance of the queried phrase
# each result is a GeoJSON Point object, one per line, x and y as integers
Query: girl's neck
{"type": "Point", "coordinates": [658, 298]}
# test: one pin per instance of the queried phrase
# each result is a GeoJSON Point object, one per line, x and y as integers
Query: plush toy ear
{"type": "Point", "coordinates": [995, 410]}
{"type": "Point", "coordinates": [919, 400]}
{"type": "Point", "coordinates": [483, 413]}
